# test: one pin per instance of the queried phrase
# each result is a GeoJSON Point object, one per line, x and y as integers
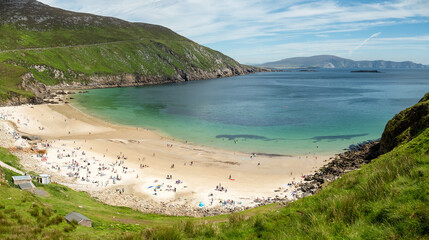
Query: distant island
{"type": "Point", "coordinates": [331, 61]}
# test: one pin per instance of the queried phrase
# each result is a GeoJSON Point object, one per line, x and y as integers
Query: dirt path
{"type": "Point", "coordinates": [2, 164]}
{"type": "Point", "coordinates": [69, 46]}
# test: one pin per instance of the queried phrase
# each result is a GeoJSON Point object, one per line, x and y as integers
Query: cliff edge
{"type": "Point", "coordinates": [406, 125]}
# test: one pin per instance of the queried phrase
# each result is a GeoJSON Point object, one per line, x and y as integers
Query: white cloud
{"type": "Point", "coordinates": [336, 47]}
{"type": "Point", "coordinates": [364, 42]}
{"type": "Point", "coordinates": [281, 24]}
{"type": "Point", "coordinates": [203, 21]}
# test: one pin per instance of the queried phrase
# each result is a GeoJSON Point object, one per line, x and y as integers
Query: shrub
{"type": "Point", "coordinates": [56, 220]}
{"type": "Point", "coordinates": [34, 211]}
{"type": "Point", "coordinates": [189, 227]}
{"type": "Point", "coordinates": [69, 228]}
{"type": "Point", "coordinates": [46, 212]}
{"type": "Point", "coordinates": [53, 234]}
{"type": "Point", "coordinates": [235, 219]}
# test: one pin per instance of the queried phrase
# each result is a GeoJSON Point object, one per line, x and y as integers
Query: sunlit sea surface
{"type": "Point", "coordinates": [278, 113]}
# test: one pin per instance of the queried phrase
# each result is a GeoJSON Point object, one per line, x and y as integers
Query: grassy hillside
{"type": "Point", "coordinates": [406, 125]}
{"type": "Point", "coordinates": [59, 46]}
{"type": "Point", "coordinates": [10, 81]}
{"type": "Point", "coordinates": [18, 220]}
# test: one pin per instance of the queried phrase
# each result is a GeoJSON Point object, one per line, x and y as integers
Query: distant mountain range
{"type": "Point", "coordinates": [330, 61]}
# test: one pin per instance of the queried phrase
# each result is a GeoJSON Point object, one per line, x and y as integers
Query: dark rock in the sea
{"type": "Point", "coordinates": [245, 136]}
{"type": "Point", "coordinates": [337, 137]}
{"type": "Point", "coordinates": [365, 71]}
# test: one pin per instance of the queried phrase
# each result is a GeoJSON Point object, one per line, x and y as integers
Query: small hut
{"type": "Point", "coordinates": [21, 179]}
{"type": "Point", "coordinates": [44, 178]}
{"type": "Point", "coordinates": [80, 219]}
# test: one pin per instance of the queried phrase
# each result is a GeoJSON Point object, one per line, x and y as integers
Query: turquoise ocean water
{"type": "Point", "coordinates": [279, 113]}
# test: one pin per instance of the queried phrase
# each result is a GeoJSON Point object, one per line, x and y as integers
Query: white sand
{"type": "Point", "coordinates": [70, 133]}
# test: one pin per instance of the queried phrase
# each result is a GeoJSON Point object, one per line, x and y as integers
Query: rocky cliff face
{"type": "Point", "coordinates": [128, 80]}
{"type": "Point", "coordinates": [406, 125]}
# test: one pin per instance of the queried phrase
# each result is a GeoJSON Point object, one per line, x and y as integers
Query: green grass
{"type": "Point", "coordinates": [98, 46]}
{"type": "Point", "coordinates": [10, 81]}
{"type": "Point", "coordinates": [10, 159]}
{"type": "Point", "coordinates": [108, 221]}
{"type": "Point", "coordinates": [406, 125]}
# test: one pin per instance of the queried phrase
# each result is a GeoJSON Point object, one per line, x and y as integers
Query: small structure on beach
{"type": "Point", "coordinates": [79, 218]}
{"type": "Point", "coordinates": [21, 179]}
{"type": "Point", "coordinates": [44, 178]}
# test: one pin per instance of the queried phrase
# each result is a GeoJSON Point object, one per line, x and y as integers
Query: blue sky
{"type": "Point", "coordinates": [257, 31]}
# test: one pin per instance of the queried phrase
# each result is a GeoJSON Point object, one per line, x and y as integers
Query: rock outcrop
{"type": "Point", "coordinates": [403, 127]}
{"type": "Point", "coordinates": [341, 164]}
{"type": "Point", "coordinates": [406, 125]}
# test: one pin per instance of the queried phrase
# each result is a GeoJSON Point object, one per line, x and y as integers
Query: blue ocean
{"type": "Point", "coordinates": [290, 112]}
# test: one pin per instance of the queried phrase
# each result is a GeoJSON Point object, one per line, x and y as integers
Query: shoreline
{"type": "Point", "coordinates": [208, 142]}
{"type": "Point", "coordinates": [243, 181]}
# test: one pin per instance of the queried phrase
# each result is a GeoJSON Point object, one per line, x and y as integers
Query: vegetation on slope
{"type": "Point", "coordinates": [406, 125]}
{"type": "Point", "coordinates": [10, 81]}
{"type": "Point", "coordinates": [109, 222]}
{"type": "Point", "coordinates": [59, 46]}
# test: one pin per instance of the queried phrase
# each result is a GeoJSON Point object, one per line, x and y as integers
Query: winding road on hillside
{"type": "Point", "coordinates": [71, 46]}
{"type": "Point", "coordinates": [68, 46]}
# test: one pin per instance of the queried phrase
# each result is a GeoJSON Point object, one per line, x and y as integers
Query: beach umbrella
{"type": "Point", "coordinates": [201, 204]}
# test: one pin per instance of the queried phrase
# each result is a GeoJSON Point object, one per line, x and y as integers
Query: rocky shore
{"type": "Point", "coordinates": [44, 93]}
{"type": "Point", "coordinates": [341, 164]}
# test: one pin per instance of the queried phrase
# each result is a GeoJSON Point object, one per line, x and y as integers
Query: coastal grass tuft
{"type": "Point", "coordinates": [10, 82]}
{"type": "Point", "coordinates": [10, 159]}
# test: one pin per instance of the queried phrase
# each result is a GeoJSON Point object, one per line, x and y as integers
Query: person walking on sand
{"type": "Point", "coordinates": [229, 176]}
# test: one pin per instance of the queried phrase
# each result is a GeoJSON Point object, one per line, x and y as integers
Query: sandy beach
{"type": "Point", "coordinates": [139, 168]}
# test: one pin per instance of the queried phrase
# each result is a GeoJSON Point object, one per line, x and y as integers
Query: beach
{"type": "Point", "coordinates": [139, 168]}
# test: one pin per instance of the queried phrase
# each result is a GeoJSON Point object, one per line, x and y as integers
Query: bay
{"type": "Point", "coordinates": [289, 112]}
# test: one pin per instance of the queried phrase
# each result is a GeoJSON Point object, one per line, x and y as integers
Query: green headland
{"type": "Point", "coordinates": [42, 46]}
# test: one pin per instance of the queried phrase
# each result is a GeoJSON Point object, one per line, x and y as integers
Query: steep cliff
{"type": "Point", "coordinates": [406, 125]}
{"type": "Point", "coordinates": [72, 50]}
